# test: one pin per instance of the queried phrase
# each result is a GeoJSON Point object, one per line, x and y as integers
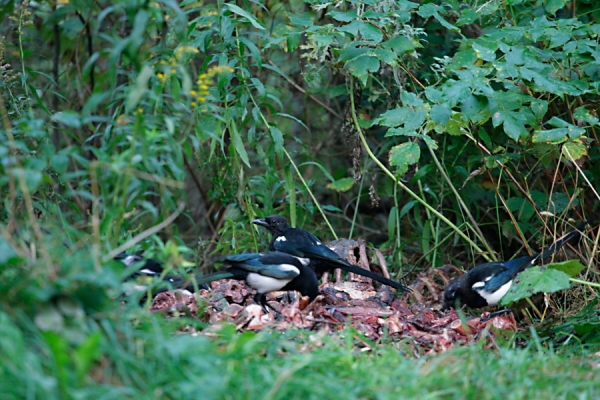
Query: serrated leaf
{"type": "Point", "coordinates": [395, 117]}
{"type": "Point", "coordinates": [536, 280]}
{"type": "Point", "coordinates": [341, 185]}
{"type": "Point", "coordinates": [552, 6]}
{"type": "Point", "coordinates": [440, 114]}
{"type": "Point", "coordinates": [456, 92]}
{"type": "Point", "coordinates": [572, 130]}
{"type": "Point", "coordinates": [467, 17]}
{"type": "Point", "coordinates": [569, 267]}
{"type": "Point", "coordinates": [574, 150]}
{"type": "Point", "coordinates": [245, 14]}
{"type": "Point", "coordinates": [559, 39]}
{"type": "Point", "coordinates": [343, 16]}
{"type": "Point", "coordinates": [353, 27]}
{"type": "Point", "coordinates": [370, 32]}
{"type": "Point", "coordinates": [455, 127]}
{"type": "Point", "coordinates": [402, 155]}
{"type": "Point", "coordinates": [410, 99]}
{"type": "Point", "coordinates": [539, 107]}
{"type": "Point", "coordinates": [361, 66]}
{"type": "Point", "coordinates": [583, 114]}
{"type": "Point", "coordinates": [431, 10]}
{"type": "Point", "coordinates": [514, 128]}
{"type": "Point", "coordinates": [399, 44]}
{"type": "Point", "coordinates": [293, 41]}
{"type": "Point", "coordinates": [557, 135]}
{"type": "Point", "coordinates": [484, 53]}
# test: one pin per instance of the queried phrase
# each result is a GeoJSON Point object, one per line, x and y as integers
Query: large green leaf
{"type": "Point", "coordinates": [556, 135]}
{"type": "Point", "coordinates": [574, 150]}
{"type": "Point", "coordinates": [536, 280]}
{"type": "Point", "coordinates": [440, 114]}
{"type": "Point", "coordinates": [245, 14]}
{"type": "Point", "coordinates": [361, 66]}
{"type": "Point", "coordinates": [431, 10]}
{"type": "Point", "coordinates": [403, 155]}
{"type": "Point", "coordinates": [570, 267]}
{"type": "Point", "coordinates": [399, 44]}
{"type": "Point", "coordinates": [514, 127]}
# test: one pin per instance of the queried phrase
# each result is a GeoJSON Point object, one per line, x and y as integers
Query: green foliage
{"type": "Point", "coordinates": [548, 279]}
{"type": "Point", "coordinates": [166, 127]}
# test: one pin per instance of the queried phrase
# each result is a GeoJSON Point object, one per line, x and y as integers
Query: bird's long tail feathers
{"type": "Point", "coordinates": [215, 276]}
{"type": "Point", "coordinates": [560, 242]}
{"type": "Point", "coordinates": [379, 278]}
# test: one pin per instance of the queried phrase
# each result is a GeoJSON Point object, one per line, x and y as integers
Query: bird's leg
{"type": "Point", "coordinates": [261, 298]}
{"type": "Point", "coordinates": [496, 313]}
{"type": "Point", "coordinates": [291, 296]}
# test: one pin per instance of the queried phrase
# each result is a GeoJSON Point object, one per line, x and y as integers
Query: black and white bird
{"type": "Point", "coordinates": [268, 272]}
{"type": "Point", "coordinates": [151, 269]}
{"type": "Point", "coordinates": [487, 283]}
{"type": "Point", "coordinates": [301, 243]}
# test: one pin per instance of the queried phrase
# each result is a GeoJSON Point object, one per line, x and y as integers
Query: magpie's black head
{"type": "Point", "coordinates": [452, 293]}
{"type": "Point", "coordinates": [274, 223]}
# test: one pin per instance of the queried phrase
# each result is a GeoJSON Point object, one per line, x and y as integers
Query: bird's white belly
{"type": "Point", "coordinates": [265, 284]}
{"type": "Point", "coordinates": [493, 298]}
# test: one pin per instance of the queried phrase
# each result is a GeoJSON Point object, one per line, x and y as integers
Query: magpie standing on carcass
{"type": "Point", "coordinates": [301, 243]}
{"type": "Point", "coordinates": [487, 283]}
{"type": "Point", "coordinates": [268, 272]}
{"type": "Point", "coordinates": [153, 269]}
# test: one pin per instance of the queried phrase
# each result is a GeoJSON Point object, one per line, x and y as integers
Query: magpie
{"type": "Point", "coordinates": [487, 283]}
{"type": "Point", "coordinates": [301, 243]}
{"type": "Point", "coordinates": [153, 269]}
{"type": "Point", "coordinates": [268, 272]}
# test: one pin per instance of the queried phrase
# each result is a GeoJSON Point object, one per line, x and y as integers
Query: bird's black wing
{"type": "Point", "coordinates": [274, 265]}
{"type": "Point", "coordinates": [496, 274]}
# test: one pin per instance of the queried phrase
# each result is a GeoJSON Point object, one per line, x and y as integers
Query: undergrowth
{"type": "Point", "coordinates": [442, 132]}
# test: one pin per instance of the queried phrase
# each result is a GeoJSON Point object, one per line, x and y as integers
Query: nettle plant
{"type": "Point", "coordinates": [522, 95]}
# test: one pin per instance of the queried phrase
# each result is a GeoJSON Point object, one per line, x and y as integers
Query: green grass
{"type": "Point", "coordinates": [140, 356]}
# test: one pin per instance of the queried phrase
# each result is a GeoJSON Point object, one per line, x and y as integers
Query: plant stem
{"type": "Point", "coordinates": [404, 187]}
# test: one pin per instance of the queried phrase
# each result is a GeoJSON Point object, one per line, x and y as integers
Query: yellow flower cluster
{"type": "Point", "coordinates": [182, 50]}
{"type": "Point", "coordinates": [204, 81]}
{"type": "Point", "coordinates": [167, 69]}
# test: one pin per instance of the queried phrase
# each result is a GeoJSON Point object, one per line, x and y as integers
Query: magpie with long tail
{"type": "Point", "coordinates": [301, 243]}
{"type": "Point", "coordinates": [487, 283]}
{"type": "Point", "coordinates": [268, 272]}
{"type": "Point", "coordinates": [149, 268]}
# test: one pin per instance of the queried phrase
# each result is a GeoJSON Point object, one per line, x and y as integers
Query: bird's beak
{"type": "Point", "coordinates": [260, 221]}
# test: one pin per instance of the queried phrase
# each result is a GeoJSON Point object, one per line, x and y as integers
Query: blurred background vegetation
{"type": "Point", "coordinates": [440, 132]}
